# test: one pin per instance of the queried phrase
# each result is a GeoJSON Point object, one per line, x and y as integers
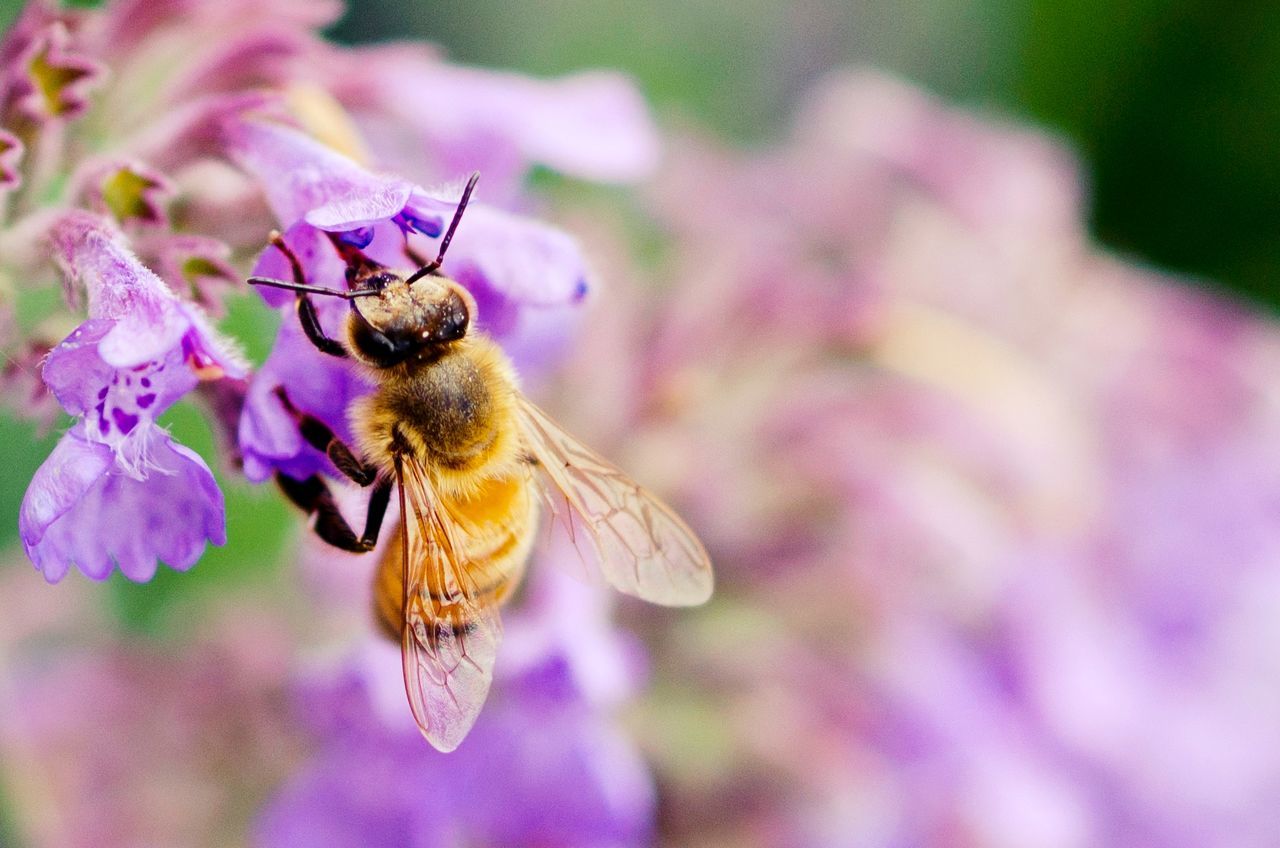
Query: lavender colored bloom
{"type": "Point", "coordinates": [529, 280]}
{"type": "Point", "coordinates": [433, 120]}
{"type": "Point", "coordinates": [109, 740]}
{"type": "Point", "coordinates": [543, 764]}
{"type": "Point", "coordinates": [117, 490]}
{"type": "Point", "coordinates": [993, 513]}
{"type": "Point", "coordinates": [128, 191]}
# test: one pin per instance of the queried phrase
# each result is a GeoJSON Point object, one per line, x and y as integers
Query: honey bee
{"type": "Point", "coordinates": [475, 464]}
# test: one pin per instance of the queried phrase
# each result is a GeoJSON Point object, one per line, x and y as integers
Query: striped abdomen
{"type": "Point", "coordinates": [494, 531]}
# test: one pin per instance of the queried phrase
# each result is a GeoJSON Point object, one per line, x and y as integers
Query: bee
{"type": "Point", "coordinates": [474, 464]}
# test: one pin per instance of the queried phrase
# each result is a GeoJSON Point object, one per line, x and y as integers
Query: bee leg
{"type": "Point", "coordinates": [378, 500]}
{"type": "Point", "coordinates": [315, 333]}
{"type": "Point", "coordinates": [307, 316]}
{"type": "Point", "coordinates": [320, 437]}
{"type": "Point", "coordinates": [314, 497]}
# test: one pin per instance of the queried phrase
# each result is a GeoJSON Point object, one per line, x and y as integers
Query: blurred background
{"type": "Point", "coordinates": [1172, 105]}
{"type": "Point", "coordinates": [1172, 108]}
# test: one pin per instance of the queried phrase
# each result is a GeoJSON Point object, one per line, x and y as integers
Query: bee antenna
{"type": "Point", "coordinates": [304, 289]}
{"type": "Point", "coordinates": [434, 265]}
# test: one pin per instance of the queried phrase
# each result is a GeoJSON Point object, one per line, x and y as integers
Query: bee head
{"type": "Point", "coordinates": [399, 319]}
{"type": "Point", "coordinates": [406, 320]}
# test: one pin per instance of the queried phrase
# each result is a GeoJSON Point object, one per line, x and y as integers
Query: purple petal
{"type": "Point", "coordinates": [74, 371]}
{"type": "Point", "coordinates": [59, 485]}
{"type": "Point", "coordinates": [318, 807]}
{"type": "Point", "coordinates": [82, 508]}
{"type": "Point", "coordinates": [149, 321]}
{"type": "Point", "coordinates": [321, 385]}
{"type": "Point", "coordinates": [137, 338]}
{"type": "Point", "coordinates": [118, 285]}
{"type": "Point", "coordinates": [593, 125]}
{"type": "Point", "coordinates": [303, 178]}
{"type": "Point", "coordinates": [529, 281]}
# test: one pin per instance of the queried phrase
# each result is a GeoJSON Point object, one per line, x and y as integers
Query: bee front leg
{"type": "Point", "coordinates": [307, 316]}
{"type": "Point", "coordinates": [322, 438]}
{"type": "Point", "coordinates": [315, 498]}
{"type": "Point", "coordinates": [315, 333]}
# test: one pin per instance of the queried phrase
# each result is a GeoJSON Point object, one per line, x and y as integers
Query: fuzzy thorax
{"type": "Point", "coordinates": [456, 414]}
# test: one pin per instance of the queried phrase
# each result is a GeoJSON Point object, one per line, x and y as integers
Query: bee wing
{"type": "Point", "coordinates": [642, 546]}
{"type": "Point", "coordinates": [450, 639]}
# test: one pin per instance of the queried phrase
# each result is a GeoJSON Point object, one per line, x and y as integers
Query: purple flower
{"type": "Point", "coordinates": [117, 489]}
{"type": "Point", "coordinates": [195, 266]}
{"type": "Point", "coordinates": [126, 190]}
{"type": "Point", "coordinates": [529, 279]}
{"type": "Point", "coordinates": [543, 765]}
{"type": "Point", "coordinates": [434, 120]}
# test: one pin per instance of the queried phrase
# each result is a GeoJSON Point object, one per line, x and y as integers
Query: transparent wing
{"type": "Point", "coordinates": [642, 546]}
{"type": "Point", "coordinates": [450, 638]}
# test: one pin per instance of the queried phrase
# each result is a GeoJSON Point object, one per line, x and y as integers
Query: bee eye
{"type": "Point", "coordinates": [453, 324]}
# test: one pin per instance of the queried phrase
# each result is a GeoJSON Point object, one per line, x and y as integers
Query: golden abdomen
{"type": "Point", "coordinates": [494, 531]}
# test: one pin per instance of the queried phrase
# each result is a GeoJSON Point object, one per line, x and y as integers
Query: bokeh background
{"type": "Point", "coordinates": [1172, 106]}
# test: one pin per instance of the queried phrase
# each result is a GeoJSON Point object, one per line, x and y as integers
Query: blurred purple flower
{"type": "Point", "coordinates": [543, 765]}
{"type": "Point", "coordinates": [434, 120]}
{"type": "Point", "coordinates": [117, 490]}
{"type": "Point", "coordinates": [44, 78]}
{"type": "Point", "coordinates": [1019, 498]}
{"type": "Point", "coordinates": [128, 743]}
